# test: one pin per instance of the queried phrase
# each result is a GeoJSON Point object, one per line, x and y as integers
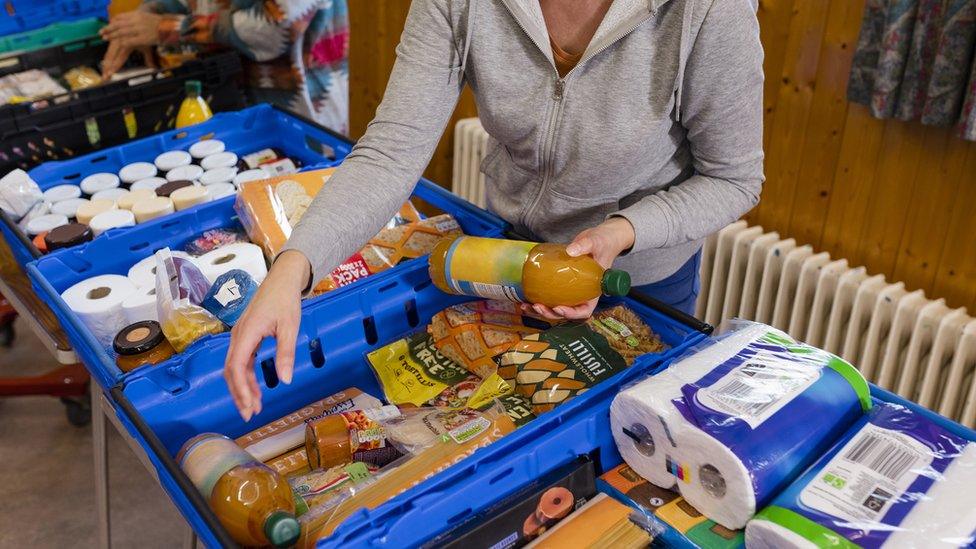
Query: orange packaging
{"type": "Point", "coordinates": [473, 334]}
{"type": "Point", "coordinates": [356, 435]}
{"type": "Point", "coordinates": [406, 236]}
{"type": "Point", "coordinates": [602, 522]}
{"type": "Point", "coordinates": [410, 473]}
{"type": "Point", "coordinates": [286, 433]}
{"type": "Point", "coordinates": [270, 208]}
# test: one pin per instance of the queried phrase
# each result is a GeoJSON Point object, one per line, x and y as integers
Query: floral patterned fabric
{"type": "Point", "coordinates": [296, 52]}
{"type": "Point", "coordinates": [914, 61]}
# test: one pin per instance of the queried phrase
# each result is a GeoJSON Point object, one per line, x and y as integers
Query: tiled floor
{"type": "Point", "coordinates": [46, 486]}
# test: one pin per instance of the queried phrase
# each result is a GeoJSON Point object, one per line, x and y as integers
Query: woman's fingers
{"type": "Point", "coordinates": [114, 59]}
{"type": "Point", "coordinates": [579, 312]}
{"type": "Point", "coordinates": [285, 357]}
{"type": "Point", "coordinates": [239, 359]}
{"type": "Point", "coordinates": [546, 312]}
{"type": "Point", "coordinates": [581, 245]}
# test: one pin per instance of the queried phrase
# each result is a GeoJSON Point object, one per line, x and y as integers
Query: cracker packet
{"type": "Point", "coordinates": [412, 372]}
{"type": "Point", "coordinates": [473, 334]}
{"type": "Point", "coordinates": [407, 236]}
{"type": "Point", "coordinates": [553, 366]}
{"type": "Point", "coordinates": [270, 208]}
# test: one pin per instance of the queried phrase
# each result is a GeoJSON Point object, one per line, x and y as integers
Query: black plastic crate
{"type": "Point", "coordinates": [79, 122]}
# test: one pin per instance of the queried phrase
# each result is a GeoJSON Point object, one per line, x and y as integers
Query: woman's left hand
{"type": "Point", "coordinates": [604, 242]}
{"type": "Point", "coordinates": [133, 29]}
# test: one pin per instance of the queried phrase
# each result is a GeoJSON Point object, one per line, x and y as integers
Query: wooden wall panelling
{"type": "Point", "coordinates": [774, 24]}
{"type": "Point", "coordinates": [824, 131]}
{"type": "Point", "coordinates": [792, 111]}
{"type": "Point", "coordinates": [955, 278]}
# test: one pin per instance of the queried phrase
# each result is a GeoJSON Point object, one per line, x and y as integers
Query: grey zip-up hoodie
{"type": "Point", "coordinates": [660, 123]}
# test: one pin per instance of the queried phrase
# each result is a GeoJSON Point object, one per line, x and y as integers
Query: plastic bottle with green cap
{"type": "Point", "coordinates": [194, 108]}
{"type": "Point", "coordinates": [520, 271]}
{"type": "Point", "coordinates": [252, 501]}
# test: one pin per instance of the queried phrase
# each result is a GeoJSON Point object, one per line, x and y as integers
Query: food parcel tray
{"type": "Point", "coordinates": [242, 132]}
{"type": "Point", "coordinates": [165, 406]}
{"type": "Point", "coordinates": [119, 249]}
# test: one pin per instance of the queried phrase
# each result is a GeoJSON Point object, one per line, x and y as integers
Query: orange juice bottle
{"type": "Point", "coordinates": [251, 500]}
{"type": "Point", "coordinates": [194, 109]}
{"type": "Point", "coordinates": [521, 271]}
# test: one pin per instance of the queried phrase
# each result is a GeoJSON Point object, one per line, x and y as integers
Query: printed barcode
{"type": "Point", "coordinates": [881, 455]}
{"type": "Point", "coordinates": [742, 396]}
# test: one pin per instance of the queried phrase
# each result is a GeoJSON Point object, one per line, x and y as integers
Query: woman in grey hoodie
{"type": "Point", "coordinates": [630, 128]}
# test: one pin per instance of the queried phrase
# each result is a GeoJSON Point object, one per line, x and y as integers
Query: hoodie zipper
{"type": "Point", "coordinates": [558, 92]}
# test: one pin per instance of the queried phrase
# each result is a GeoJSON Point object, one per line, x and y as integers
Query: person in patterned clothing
{"type": "Point", "coordinates": [296, 52]}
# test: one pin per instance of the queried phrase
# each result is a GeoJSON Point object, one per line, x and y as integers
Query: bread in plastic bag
{"type": "Point", "coordinates": [180, 288]}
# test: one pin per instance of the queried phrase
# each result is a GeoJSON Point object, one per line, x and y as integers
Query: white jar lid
{"type": "Point", "coordinates": [44, 223]}
{"type": "Point", "coordinates": [207, 147]}
{"type": "Point", "coordinates": [150, 183]}
{"type": "Point", "coordinates": [190, 173]}
{"type": "Point", "coordinates": [250, 175]}
{"type": "Point", "coordinates": [218, 175]}
{"type": "Point", "coordinates": [131, 173]}
{"type": "Point", "coordinates": [224, 159]}
{"type": "Point", "coordinates": [99, 182]}
{"type": "Point", "coordinates": [110, 220]}
{"type": "Point", "coordinates": [172, 159]}
{"type": "Point", "coordinates": [69, 207]}
{"type": "Point", "coordinates": [220, 190]}
{"type": "Point", "coordinates": [110, 194]}
{"type": "Point", "coordinates": [62, 192]}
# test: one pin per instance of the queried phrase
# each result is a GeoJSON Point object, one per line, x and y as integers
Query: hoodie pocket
{"type": "Point", "coordinates": [508, 187]}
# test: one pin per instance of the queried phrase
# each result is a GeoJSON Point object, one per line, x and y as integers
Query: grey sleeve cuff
{"type": "Point", "coordinates": [652, 227]}
{"type": "Point", "coordinates": [314, 251]}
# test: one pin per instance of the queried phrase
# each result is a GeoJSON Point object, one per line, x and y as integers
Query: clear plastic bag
{"type": "Point", "coordinates": [18, 194]}
{"type": "Point", "coordinates": [180, 288]}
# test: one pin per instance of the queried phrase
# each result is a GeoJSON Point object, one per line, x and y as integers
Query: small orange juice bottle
{"type": "Point", "coordinates": [194, 108]}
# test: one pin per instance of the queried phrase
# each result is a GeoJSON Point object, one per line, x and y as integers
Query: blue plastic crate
{"type": "Point", "coordinates": [26, 15]}
{"type": "Point", "coordinates": [243, 132]}
{"type": "Point", "coordinates": [166, 406]}
{"type": "Point", "coordinates": [117, 250]}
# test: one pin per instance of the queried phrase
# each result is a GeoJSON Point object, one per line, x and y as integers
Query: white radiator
{"type": "Point", "coordinates": [470, 140]}
{"type": "Point", "coordinates": [900, 340]}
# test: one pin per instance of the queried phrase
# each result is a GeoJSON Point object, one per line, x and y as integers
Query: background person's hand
{"type": "Point", "coordinates": [275, 312]}
{"type": "Point", "coordinates": [133, 29]}
{"type": "Point", "coordinates": [604, 242]}
{"type": "Point", "coordinates": [117, 54]}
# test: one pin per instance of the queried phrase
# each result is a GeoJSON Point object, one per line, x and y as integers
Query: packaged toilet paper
{"type": "Point", "coordinates": [735, 421]}
{"type": "Point", "coordinates": [894, 480]}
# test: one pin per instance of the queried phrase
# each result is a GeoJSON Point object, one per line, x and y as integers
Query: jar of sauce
{"type": "Point", "coordinates": [141, 343]}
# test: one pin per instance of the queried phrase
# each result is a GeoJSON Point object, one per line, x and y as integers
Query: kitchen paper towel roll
{"type": "Point", "coordinates": [240, 255]}
{"type": "Point", "coordinates": [895, 479]}
{"type": "Point", "coordinates": [143, 273]}
{"type": "Point", "coordinates": [141, 305]}
{"type": "Point", "coordinates": [734, 422]}
{"type": "Point", "coordinates": [98, 303]}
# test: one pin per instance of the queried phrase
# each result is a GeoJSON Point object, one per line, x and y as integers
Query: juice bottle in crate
{"type": "Point", "coordinates": [194, 108]}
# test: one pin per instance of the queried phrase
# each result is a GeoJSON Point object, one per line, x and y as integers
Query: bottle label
{"type": "Point", "coordinates": [207, 459]}
{"type": "Point", "coordinates": [487, 267]}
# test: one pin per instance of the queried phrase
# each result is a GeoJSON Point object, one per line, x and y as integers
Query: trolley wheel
{"type": "Point", "coordinates": [78, 410]}
{"type": "Point", "coordinates": [7, 335]}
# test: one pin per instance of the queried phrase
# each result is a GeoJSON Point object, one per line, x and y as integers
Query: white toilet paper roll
{"type": "Point", "coordinates": [111, 219]}
{"type": "Point", "coordinates": [60, 193]}
{"type": "Point", "coordinates": [98, 303]}
{"type": "Point", "coordinates": [189, 173]}
{"type": "Point", "coordinates": [220, 190]}
{"type": "Point", "coordinates": [240, 255]}
{"type": "Point", "coordinates": [99, 182]}
{"type": "Point", "coordinates": [143, 273]}
{"type": "Point", "coordinates": [137, 171]}
{"type": "Point", "coordinates": [205, 148]}
{"type": "Point", "coordinates": [141, 305]}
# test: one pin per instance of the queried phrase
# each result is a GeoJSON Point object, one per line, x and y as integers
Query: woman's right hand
{"type": "Point", "coordinates": [275, 312]}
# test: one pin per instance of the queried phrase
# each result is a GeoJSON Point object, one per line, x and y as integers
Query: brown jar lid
{"type": "Point", "coordinates": [167, 189]}
{"type": "Point", "coordinates": [67, 236]}
{"type": "Point", "coordinates": [138, 338]}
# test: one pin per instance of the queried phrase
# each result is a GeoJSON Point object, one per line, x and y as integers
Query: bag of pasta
{"type": "Point", "coordinates": [553, 366]}
{"type": "Point", "coordinates": [473, 334]}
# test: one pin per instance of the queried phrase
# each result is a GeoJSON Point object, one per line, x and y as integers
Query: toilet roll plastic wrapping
{"type": "Point", "coordinates": [735, 421]}
{"type": "Point", "coordinates": [97, 302]}
{"type": "Point", "coordinates": [18, 193]}
{"type": "Point", "coordinates": [143, 273]}
{"type": "Point", "coordinates": [893, 480]}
